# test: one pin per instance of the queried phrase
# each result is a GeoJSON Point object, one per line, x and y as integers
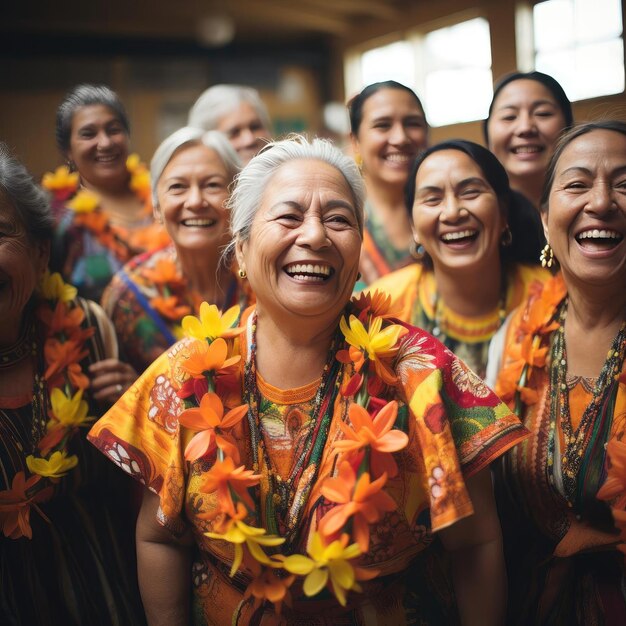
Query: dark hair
{"type": "Point", "coordinates": [82, 96]}
{"type": "Point", "coordinates": [522, 218]}
{"type": "Point", "coordinates": [355, 105]}
{"type": "Point", "coordinates": [551, 84]}
{"type": "Point", "coordinates": [28, 199]}
{"type": "Point", "coordinates": [616, 126]}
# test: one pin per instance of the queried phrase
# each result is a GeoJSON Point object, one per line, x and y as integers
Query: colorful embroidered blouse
{"type": "Point", "coordinates": [413, 294]}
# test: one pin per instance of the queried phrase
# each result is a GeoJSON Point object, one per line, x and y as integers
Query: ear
{"type": "Point", "coordinates": [354, 142]}
{"type": "Point", "coordinates": [240, 253]}
{"type": "Point", "coordinates": [544, 221]}
{"type": "Point", "coordinates": [42, 254]}
{"type": "Point", "coordinates": [157, 214]}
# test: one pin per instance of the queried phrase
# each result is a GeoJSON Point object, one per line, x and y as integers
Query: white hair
{"type": "Point", "coordinates": [188, 136]}
{"type": "Point", "coordinates": [220, 100]}
{"type": "Point", "coordinates": [252, 181]}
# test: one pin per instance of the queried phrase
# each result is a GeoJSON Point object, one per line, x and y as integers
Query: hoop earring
{"type": "Point", "coordinates": [547, 256]}
{"type": "Point", "coordinates": [417, 251]}
{"type": "Point", "coordinates": [242, 273]}
{"type": "Point", "coordinates": [507, 237]}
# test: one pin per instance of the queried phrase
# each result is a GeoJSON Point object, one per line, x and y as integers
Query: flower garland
{"type": "Point", "coordinates": [59, 406]}
{"type": "Point", "coordinates": [64, 185]}
{"type": "Point", "coordinates": [355, 496]}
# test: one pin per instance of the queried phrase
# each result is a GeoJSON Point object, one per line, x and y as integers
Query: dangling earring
{"type": "Point", "coordinates": [547, 256]}
{"type": "Point", "coordinates": [417, 251]}
{"type": "Point", "coordinates": [507, 237]}
{"type": "Point", "coordinates": [71, 166]}
{"type": "Point", "coordinates": [242, 273]}
{"type": "Point", "coordinates": [358, 159]}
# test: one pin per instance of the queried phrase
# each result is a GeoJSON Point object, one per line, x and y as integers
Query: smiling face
{"type": "Point", "coordinates": [99, 146]}
{"type": "Point", "coordinates": [302, 255]}
{"type": "Point", "coordinates": [456, 213]}
{"type": "Point", "coordinates": [22, 263]}
{"type": "Point", "coordinates": [586, 219]}
{"type": "Point", "coordinates": [393, 130]}
{"type": "Point", "coordinates": [244, 130]}
{"type": "Point", "coordinates": [524, 126]}
{"type": "Point", "coordinates": [191, 193]}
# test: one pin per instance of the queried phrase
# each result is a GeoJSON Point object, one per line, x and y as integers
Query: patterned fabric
{"type": "Point", "coordinates": [78, 568]}
{"type": "Point", "coordinates": [561, 565]}
{"type": "Point", "coordinates": [378, 255]}
{"type": "Point", "coordinates": [456, 427]}
{"type": "Point", "coordinates": [413, 293]}
{"type": "Point", "coordinates": [144, 332]}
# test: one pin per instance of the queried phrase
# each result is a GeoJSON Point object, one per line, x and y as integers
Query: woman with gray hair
{"type": "Point", "coordinates": [307, 456]}
{"type": "Point", "coordinates": [66, 540]}
{"type": "Point", "coordinates": [236, 111]}
{"type": "Point", "coordinates": [102, 196]}
{"type": "Point", "coordinates": [190, 176]}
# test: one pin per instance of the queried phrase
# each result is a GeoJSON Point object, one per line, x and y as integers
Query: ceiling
{"type": "Point", "coordinates": [207, 23]}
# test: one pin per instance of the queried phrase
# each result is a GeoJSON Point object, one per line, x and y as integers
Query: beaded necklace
{"type": "Point", "coordinates": [23, 347]}
{"type": "Point", "coordinates": [582, 461]}
{"type": "Point", "coordinates": [282, 492]}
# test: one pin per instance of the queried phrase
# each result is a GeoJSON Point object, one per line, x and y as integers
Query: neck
{"type": "Point", "coordinates": [531, 187]}
{"type": "Point", "coordinates": [291, 355]}
{"type": "Point", "coordinates": [388, 198]}
{"type": "Point", "coordinates": [205, 275]}
{"type": "Point", "coordinates": [471, 293]}
{"type": "Point", "coordinates": [119, 189]}
{"type": "Point", "coordinates": [9, 332]}
{"type": "Point", "coordinates": [595, 308]}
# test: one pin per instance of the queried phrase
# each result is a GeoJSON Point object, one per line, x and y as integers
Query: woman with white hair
{"type": "Point", "coordinates": [236, 111]}
{"type": "Point", "coordinates": [190, 175]}
{"type": "Point", "coordinates": [319, 454]}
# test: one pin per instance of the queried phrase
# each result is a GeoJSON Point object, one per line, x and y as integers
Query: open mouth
{"type": "Point", "coordinates": [527, 149]}
{"type": "Point", "coordinates": [309, 272]}
{"type": "Point", "coordinates": [198, 223]}
{"type": "Point", "coordinates": [460, 236]}
{"type": "Point", "coordinates": [107, 158]}
{"type": "Point", "coordinates": [599, 239]}
{"type": "Point", "coordinates": [401, 158]}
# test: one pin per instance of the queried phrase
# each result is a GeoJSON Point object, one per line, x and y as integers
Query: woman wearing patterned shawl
{"type": "Point", "coordinates": [563, 373]}
{"type": "Point", "coordinates": [304, 462]}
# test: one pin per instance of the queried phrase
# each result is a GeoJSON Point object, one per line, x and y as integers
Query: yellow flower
{"type": "Point", "coordinates": [56, 466]}
{"type": "Point", "coordinates": [70, 412]}
{"type": "Point", "coordinates": [84, 201]}
{"type": "Point", "coordinates": [133, 162]}
{"type": "Point", "coordinates": [53, 287]}
{"type": "Point", "coordinates": [61, 178]}
{"type": "Point", "coordinates": [374, 341]}
{"type": "Point", "coordinates": [327, 562]}
{"type": "Point", "coordinates": [240, 533]}
{"type": "Point", "coordinates": [211, 324]}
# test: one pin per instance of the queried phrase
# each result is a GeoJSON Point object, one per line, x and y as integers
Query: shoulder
{"type": "Point", "coordinates": [528, 274]}
{"type": "Point", "coordinates": [398, 280]}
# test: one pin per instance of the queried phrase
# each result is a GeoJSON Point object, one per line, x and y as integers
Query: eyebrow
{"type": "Point", "coordinates": [579, 169]}
{"type": "Point", "coordinates": [472, 180]}
{"type": "Point", "coordinates": [331, 204]}
{"type": "Point", "coordinates": [535, 103]}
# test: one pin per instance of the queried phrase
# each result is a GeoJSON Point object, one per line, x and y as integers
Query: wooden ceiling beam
{"type": "Point", "coordinates": [369, 8]}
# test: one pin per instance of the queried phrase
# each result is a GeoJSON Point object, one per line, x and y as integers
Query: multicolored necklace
{"type": "Point", "coordinates": [582, 461]}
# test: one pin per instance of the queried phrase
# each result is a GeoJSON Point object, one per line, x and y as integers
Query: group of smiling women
{"type": "Point", "coordinates": [385, 388]}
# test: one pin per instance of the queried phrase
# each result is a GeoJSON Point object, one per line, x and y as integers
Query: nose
{"type": "Point", "coordinates": [397, 135]}
{"type": "Point", "coordinates": [248, 137]}
{"type": "Point", "coordinates": [601, 199]}
{"type": "Point", "coordinates": [525, 124]}
{"type": "Point", "coordinates": [104, 139]}
{"type": "Point", "coordinates": [194, 199]}
{"type": "Point", "coordinates": [312, 234]}
{"type": "Point", "coordinates": [452, 209]}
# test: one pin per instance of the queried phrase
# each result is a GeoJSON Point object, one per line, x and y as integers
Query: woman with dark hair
{"type": "Point", "coordinates": [561, 369]}
{"type": "Point", "coordinates": [388, 130]}
{"type": "Point", "coordinates": [66, 532]}
{"type": "Point", "coordinates": [468, 277]}
{"type": "Point", "coordinates": [102, 196]}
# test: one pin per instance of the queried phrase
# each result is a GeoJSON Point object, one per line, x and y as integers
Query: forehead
{"type": "Point", "coordinates": [245, 113]}
{"type": "Point", "coordinates": [387, 102]}
{"type": "Point", "coordinates": [448, 165]}
{"type": "Point", "coordinates": [522, 92]}
{"type": "Point", "coordinates": [192, 158]}
{"type": "Point", "coordinates": [93, 114]}
{"type": "Point", "coordinates": [597, 147]}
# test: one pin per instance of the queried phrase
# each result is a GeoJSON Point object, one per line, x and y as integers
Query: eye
{"type": "Point", "coordinates": [575, 185]}
{"type": "Point", "coordinates": [382, 125]}
{"type": "Point", "coordinates": [431, 200]}
{"type": "Point", "coordinates": [175, 187]}
{"type": "Point", "coordinates": [86, 134]}
{"type": "Point", "coordinates": [510, 117]}
{"type": "Point", "coordinates": [544, 113]}
{"type": "Point", "coordinates": [337, 219]}
{"type": "Point", "coordinates": [471, 192]}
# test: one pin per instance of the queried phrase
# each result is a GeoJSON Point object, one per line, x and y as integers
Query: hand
{"type": "Point", "coordinates": [110, 378]}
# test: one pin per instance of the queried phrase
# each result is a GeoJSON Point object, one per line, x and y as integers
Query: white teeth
{"type": "Point", "coordinates": [308, 268]}
{"type": "Point", "coordinates": [106, 159]}
{"type": "Point", "coordinates": [527, 149]}
{"type": "Point", "coordinates": [398, 158]}
{"type": "Point", "coordinates": [462, 234]}
{"type": "Point", "coordinates": [599, 234]}
{"type": "Point", "coordinates": [198, 222]}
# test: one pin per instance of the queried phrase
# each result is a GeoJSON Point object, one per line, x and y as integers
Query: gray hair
{"type": "Point", "coordinates": [186, 137]}
{"type": "Point", "coordinates": [252, 181]}
{"type": "Point", "coordinates": [220, 100]}
{"type": "Point", "coordinates": [30, 201]}
{"type": "Point", "coordinates": [82, 96]}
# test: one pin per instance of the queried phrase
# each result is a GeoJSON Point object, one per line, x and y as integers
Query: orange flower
{"type": "Point", "coordinates": [207, 358]}
{"type": "Point", "coordinates": [532, 352]}
{"type": "Point", "coordinates": [60, 355]}
{"type": "Point", "coordinates": [614, 487]}
{"type": "Point", "coordinates": [267, 585]}
{"type": "Point", "coordinates": [169, 307]}
{"type": "Point", "coordinates": [227, 480]}
{"type": "Point", "coordinates": [210, 422]}
{"type": "Point", "coordinates": [15, 505]}
{"type": "Point", "coordinates": [509, 376]}
{"type": "Point", "coordinates": [376, 434]}
{"type": "Point", "coordinates": [362, 500]}
{"type": "Point", "coordinates": [61, 319]}
{"type": "Point", "coordinates": [376, 304]}
{"type": "Point", "coordinates": [166, 273]}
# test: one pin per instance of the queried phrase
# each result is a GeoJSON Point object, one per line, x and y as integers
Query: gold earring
{"type": "Point", "coordinates": [358, 159]}
{"type": "Point", "coordinates": [242, 273]}
{"type": "Point", "coordinates": [547, 256]}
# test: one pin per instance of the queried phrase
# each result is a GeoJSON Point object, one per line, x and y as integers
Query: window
{"type": "Point", "coordinates": [579, 42]}
{"type": "Point", "coordinates": [394, 61]}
